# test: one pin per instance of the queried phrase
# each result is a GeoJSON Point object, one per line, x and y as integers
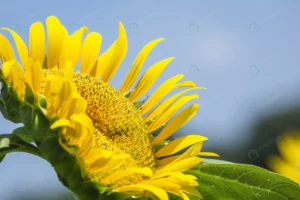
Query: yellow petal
{"type": "Point", "coordinates": [161, 107]}
{"type": "Point", "coordinates": [6, 50]}
{"type": "Point", "coordinates": [37, 43]}
{"type": "Point", "coordinates": [103, 62]}
{"type": "Point", "coordinates": [176, 123]}
{"type": "Point", "coordinates": [75, 45]}
{"type": "Point", "coordinates": [53, 85]}
{"type": "Point", "coordinates": [170, 111]}
{"type": "Point", "coordinates": [180, 166]}
{"type": "Point", "coordinates": [117, 56]}
{"type": "Point", "coordinates": [33, 75]}
{"type": "Point", "coordinates": [210, 154]}
{"type": "Point", "coordinates": [178, 144]}
{"type": "Point", "coordinates": [160, 93]}
{"type": "Point", "coordinates": [167, 160]}
{"type": "Point", "coordinates": [52, 89]}
{"type": "Point", "coordinates": [21, 47]}
{"type": "Point", "coordinates": [13, 72]}
{"type": "Point", "coordinates": [148, 79]}
{"type": "Point", "coordinates": [37, 76]}
{"type": "Point", "coordinates": [179, 178]}
{"type": "Point", "coordinates": [55, 41]}
{"type": "Point", "coordinates": [63, 57]}
{"type": "Point", "coordinates": [68, 88]}
{"type": "Point", "coordinates": [61, 123]}
{"type": "Point", "coordinates": [193, 151]}
{"type": "Point", "coordinates": [112, 163]}
{"type": "Point", "coordinates": [96, 154]}
{"type": "Point", "coordinates": [90, 51]}
{"type": "Point", "coordinates": [75, 105]}
{"type": "Point", "coordinates": [84, 132]}
{"type": "Point", "coordinates": [137, 65]}
{"type": "Point", "coordinates": [127, 172]}
{"type": "Point", "coordinates": [187, 84]}
{"type": "Point", "coordinates": [159, 193]}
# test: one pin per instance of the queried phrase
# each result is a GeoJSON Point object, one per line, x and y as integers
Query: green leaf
{"type": "Point", "coordinates": [23, 134]}
{"type": "Point", "coordinates": [13, 143]}
{"type": "Point", "coordinates": [237, 181]}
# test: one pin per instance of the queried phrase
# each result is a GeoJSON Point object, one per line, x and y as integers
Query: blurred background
{"type": "Point", "coordinates": [245, 52]}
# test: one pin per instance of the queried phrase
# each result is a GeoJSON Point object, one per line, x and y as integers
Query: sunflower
{"type": "Point", "coordinates": [289, 164]}
{"type": "Point", "coordinates": [100, 140]}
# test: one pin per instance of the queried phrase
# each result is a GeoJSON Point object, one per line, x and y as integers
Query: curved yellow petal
{"type": "Point", "coordinates": [68, 88]}
{"type": "Point", "coordinates": [210, 154]}
{"type": "Point", "coordinates": [180, 166]}
{"type": "Point", "coordinates": [61, 123]}
{"type": "Point", "coordinates": [96, 154]}
{"type": "Point", "coordinates": [187, 84]}
{"type": "Point", "coordinates": [161, 107]}
{"type": "Point", "coordinates": [112, 163]}
{"type": "Point", "coordinates": [193, 151]}
{"type": "Point", "coordinates": [169, 112]}
{"type": "Point", "coordinates": [90, 51]}
{"type": "Point", "coordinates": [103, 62]}
{"type": "Point", "coordinates": [55, 41]}
{"type": "Point", "coordinates": [6, 50]}
{"type": "Point", "coordinates": [137, 65]}
{"type": "Point", "coordinates": [159, 193]}
{"type": "Point", "coordinates": [13, 72]}
{"type": "Point", "coordinates": [74, 105]}
{"type": "Point", "coordinates": [160, 93]}
{"type": "Point", "coordinates": [75, 45]}
{"type": "Point", "coordinates": [117, 55]}
{"type": "Point", "coordinates": [21, 47]}
{"type": "Point", "coordinates": [178, 144]}
{"type": "Point", "coordinates": [167, 160]}
{"type": "Point", "coordinates": [148, 79]}
{"type": "Point", "coordinates": [176, 123]}
{"type": "Point", "coordinates": [127, 172]}
{"type": "Point", "coordinates": [37, 42]}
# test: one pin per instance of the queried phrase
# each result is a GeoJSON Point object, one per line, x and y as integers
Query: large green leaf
{"type": "Point", "coordinates": [237, 181]}
{"type": "Point", "coordinates": [13, 143]}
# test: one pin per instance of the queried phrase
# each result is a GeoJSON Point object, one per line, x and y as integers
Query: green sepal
{"type": "Point", "coordinates": [9, 102]}
{"type": "Point", "coordinates": [127, 95]}
{"type": "Point", "coordinates": [29, 95]}
{"type": "Point", "coordinates": [41, 126]}
{"type": "Point", "coordinates": [26, 115]}
{"type": "Point", "coordinates": [42, 101]}
{"type": "Point", "coordinates": [45, 66]}
{"type": "Point", "coordinates": [238, 181]}
{"type": "Point", "coordinates": [138, 104]}
{"type": "Point", "coordinates": [23, 134]}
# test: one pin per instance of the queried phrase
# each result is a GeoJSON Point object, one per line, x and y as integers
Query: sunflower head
{"type": "Point", "coordinates": [102, 141]}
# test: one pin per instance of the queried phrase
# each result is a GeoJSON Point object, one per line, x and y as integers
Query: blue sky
{"type": "Point", "coordinates": [245, 52]}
